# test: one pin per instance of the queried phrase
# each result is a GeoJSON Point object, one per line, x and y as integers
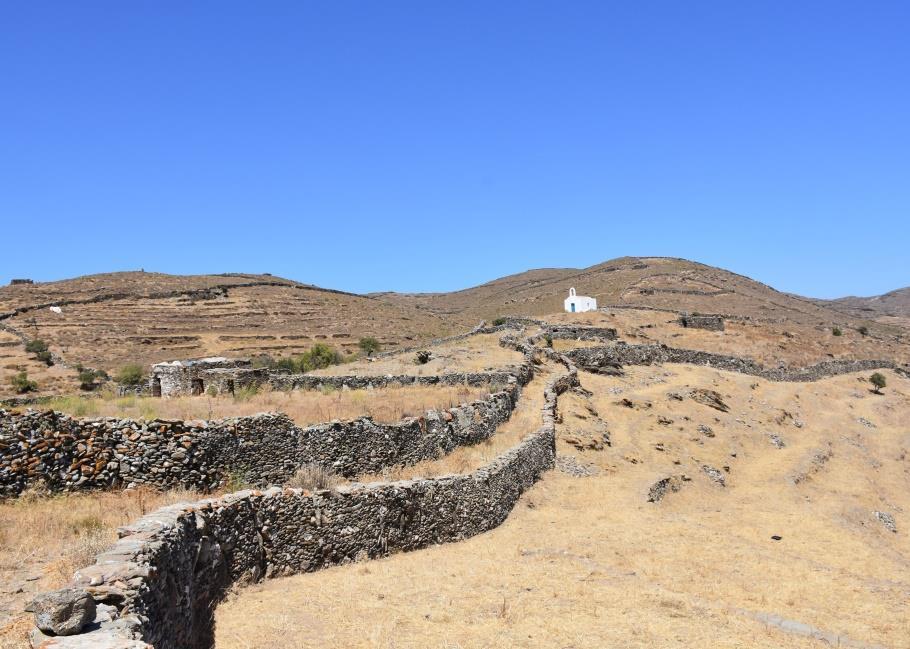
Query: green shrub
{"type": "Point", "coordinates": [45, 357]}
{"type": "Point", "coordinates": [318, 357]}
{"type": "Point", "coordinates": [422, 357]}
{"type": "Point", "coordinates": [87, 379]}
{"type": "Point", "coordinates": [212, 391]}
{"type": "Point", "coordinates": [369, 345]}
{"type": "Point", "coordinates": [130, 374]}
{"type": "Point", "coordinates": [548, 339]}
{"type": "Point", "coordinates": [863, 331]}
{"type": "Point", "coordinates": [878, 380]}
{"type": "Point", "coordinates": [21, 383]}
{"type": "Point", "coordinates": [286, 364]}
{"type": "Point", "coordinates": [837, 332]}
{"type": "Point", "coordinates": [498, 322]}
{"type": "Point", "coordinates": [35, 346]}
{"type": "Point", "coordinates": [246, 392]}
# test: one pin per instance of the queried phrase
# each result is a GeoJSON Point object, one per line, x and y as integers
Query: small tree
{"type": "Point", "coordinates": [837, 332]}
{"type": "Point", "coordinates": [369, 345]}
{"type": "Point", "coordinates": [130, 374]}
{"type": "Point", "coordinates": [87, 380]}
{"type": "Point", "coordinates": [21, 383]}
{"type": "Point", "coordinates": [878, 380]}
{"type": "Point", "coordinates": [35, 346]}
{"type": "Point", "coordinates": [422, 357]}
{"type": "Point", "coordinates": [319, 356]}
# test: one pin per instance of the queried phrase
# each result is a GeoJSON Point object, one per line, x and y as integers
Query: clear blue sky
{"type": "Point", "coordinates": [432, 146]}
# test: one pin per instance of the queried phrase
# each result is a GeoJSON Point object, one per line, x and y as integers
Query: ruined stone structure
{"type": "Point", "coordinates": [160, 583]}
{"type": "Point", "coordinates": [195, 377]}
{"type": "Point", "coordinates": [68, 454]}
{"type": "Point", "coordinates": [709, 322]}
{"type": "Point", "coordinates": [17, 282]}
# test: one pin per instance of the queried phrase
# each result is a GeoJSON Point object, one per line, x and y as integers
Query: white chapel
{"type": "Point", "coordinates": [579, 303]}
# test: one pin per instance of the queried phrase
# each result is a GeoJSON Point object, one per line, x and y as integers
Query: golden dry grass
{"type": "Point", "coordinates": [303, 406]}
{"type": "Point", "coordinates": [525, 419]}
{"type": "Point", "coordinates": [473, 354]}
{"type": "Point", "coordinates": [588, 562]}
{"type": "Point", "coordinates": [45, 539]}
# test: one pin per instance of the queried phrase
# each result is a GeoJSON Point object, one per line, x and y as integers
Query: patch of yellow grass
{"type": "Point", "coordinates": [589, 563]}
{"type": "Point", "coordinates": [525, 420]}
{"type": "Point", "coordinates": [473, 354]}
{"type": "Point", "coordinates": [51, 537]}
{"type": "Point", "coordinates": [303, 406]}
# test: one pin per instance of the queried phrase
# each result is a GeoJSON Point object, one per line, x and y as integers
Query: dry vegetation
{"type": "Point", "coordinates": [589, 562]}
{"type": "Point", "coordinates": [768, 343]}
{"type": "Point", "coordinates": [474, 354]}
{"type": "Point", "coordinates": [524, 420]}
{"type": "Point", "coordinates": [151, 317]}
{"type": "Point", "coordinates": [45, 539]}
{"type": "Point", "coordinates": [305, 407]}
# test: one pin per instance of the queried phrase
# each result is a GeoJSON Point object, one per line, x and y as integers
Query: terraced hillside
{"type": "Point", "coordinates": [661, 282]}
{"type": "Point", "coordinates": [108, 320]}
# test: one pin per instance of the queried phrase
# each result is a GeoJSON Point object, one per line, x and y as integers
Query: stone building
{"type": "Point", "coordinates": [194, 377]}
{"type": "Point", "coordinates": [698, 321]}
{"type": "Point", "coordinates": [579, 303]}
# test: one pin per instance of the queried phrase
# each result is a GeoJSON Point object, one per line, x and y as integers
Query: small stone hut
{"type": "Point", "coordinates": [198, 376]}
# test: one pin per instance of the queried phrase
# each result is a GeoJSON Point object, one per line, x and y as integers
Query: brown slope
{"type": "Point", "coordinates": [112, 319]}
{"type": "Point", "coordinates": [892, 307]}
{"type": "Point", "coordinates": [657, 282]}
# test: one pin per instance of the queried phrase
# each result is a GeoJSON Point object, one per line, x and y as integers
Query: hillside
{"type": "Point", "coordinates": [108, 320]}
{"type": "Point", "coordinates": [891, 308]}
{"type": "Point", "coordinates": [656, 282]}
{"type": "Point", "coordinates": [111, 319]}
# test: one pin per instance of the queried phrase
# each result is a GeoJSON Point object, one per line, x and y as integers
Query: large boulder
{"type": "Point", "coordinates": [63, 612]}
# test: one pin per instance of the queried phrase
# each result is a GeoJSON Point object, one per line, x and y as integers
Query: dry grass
{"type": "Point", "coordinates": [525, 419]}
{"type": "Point", "coordinates": [768, 343]}
{"type": "Point", "coordinates": [588, 562]}
{"type": "Point", "coordinates": [473, 354]}
{"type": "Point", "coordinates": [45, 539]}
{"type": "Point", "coordinates": [303, 406]}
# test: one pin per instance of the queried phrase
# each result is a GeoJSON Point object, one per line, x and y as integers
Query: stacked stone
{"type": "Point", "coordinates": [623, 354]}
{"type": "Point", "coordinates": [709, 322]}
{"type": "Point", "coordinates": [67, 454]}
{"type": "Point", "coordinates": [160, 583]}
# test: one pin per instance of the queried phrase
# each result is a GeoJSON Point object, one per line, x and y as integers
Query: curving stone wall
{"type": "Point", "coordinates": [159, 585]}
{"type": "Point", "coordinates": [68, 454]}
{"type": "Point", "coordinates": [623, 354]}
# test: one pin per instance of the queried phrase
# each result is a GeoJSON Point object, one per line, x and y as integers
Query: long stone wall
{"type": "Point", "coordinates": [159, 585]}
{"type": "Point", "coordinates": [66, 454]}
{"type": "Point", "coordinates": [623, 354]}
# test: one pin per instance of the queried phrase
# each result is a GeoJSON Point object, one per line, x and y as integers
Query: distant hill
{"type": "Point", "coordinates": [111, 319]}
{"type": "Point", "coordinates": [657, 282]}
{"type": "Point", "coordinates": [893, 307]}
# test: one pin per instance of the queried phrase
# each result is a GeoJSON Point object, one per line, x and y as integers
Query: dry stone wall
{"type": "Point", "coordinates": [623, 354]}
{"type": "Point", "coordinates": [709, 322]}
{"type": "Point", "coordinates": [67, 454]}
{"type": "Point", "coordinates": [159, 585]}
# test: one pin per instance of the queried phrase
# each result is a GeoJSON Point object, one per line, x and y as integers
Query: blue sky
{"type": "Point", "coordinates": [422, 146]}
